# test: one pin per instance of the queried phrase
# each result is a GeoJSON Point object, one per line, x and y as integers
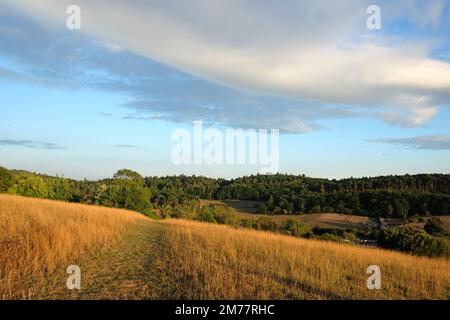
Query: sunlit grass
{"type": "Point", "coordinates": [204, 261]}
{"type": "Point", "coordinates": [40, 238]}
{"type": "Point", "coordinates": [126, 255]}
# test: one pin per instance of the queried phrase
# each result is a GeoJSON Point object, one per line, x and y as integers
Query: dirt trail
{"type": "Point", "coordinates": [125, 270]}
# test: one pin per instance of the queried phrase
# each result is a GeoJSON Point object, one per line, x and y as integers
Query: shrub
{"type": "Point", "coordinates": [219, 214]}
{"type": "Point", "coordinates": [225, 215]}
{"type": "Point", "coordinates": [206, 216]}
{"type": "Point", "coordinates": [335, 234]}
{"type": "Point", "coordinates": [183, 212]}
{"type": "Point", "coordinates": [414, 241]}
{"type": "Point", "coordinates": [295, 227]}
{"type": "Point", "coordinates": [434, 226]}
{"type": "Point", "coordinates": [266, 223]}
{"type": "Point", "coordinates": [248, 223]}
{"type": "Point", "coordinates": [329, 237]}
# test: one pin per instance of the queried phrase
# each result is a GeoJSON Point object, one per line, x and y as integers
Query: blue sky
{"type": "Point", "coordinates": [348, 101]}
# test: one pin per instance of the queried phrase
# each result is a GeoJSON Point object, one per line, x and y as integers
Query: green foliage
{"type": "Point", "coordinates": [334, 234]}
{"type": "Point", "coordinates": [127, 194]}
{"type": "Point", "coordinates": [434, 226]}
{"type": "Point", "coordinates": [266, 224]}
{"type": "Point", "coordinates": [219, 214]}
{"type": "Point", "coordinates": [30, 185]}
{"type": "Point", "coordinates": [296, 228]}
{"type": "Point", "coordinates": [389, 196]}
{"type": "Point", "coordinates": [247, 223]}
{"type": "Point", "coordinates": [126, 190]}
{"type": "Point", "coordinates": [200, 187]}
{"type": "Point", "coordinates": [392, 196]}
{"type": "Point", "coordinates": [329, 237]}
{"type": "Point", "coordinates": [185, 211]}
{"type": "Point", "coordinates": [60, 189]}
{"type": "Point", "coordinates": [127, 174]}
{"type": "Point", "coordinates": [6, 179]}
{"type": "Point", "coordinates": [206, 216]}
{"type": "Point", "coordinates": [414, 241]}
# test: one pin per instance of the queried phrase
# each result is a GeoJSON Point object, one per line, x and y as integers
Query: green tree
{"type": "Point", "coordinates": [341, 207]}
{"type": "Point", "coordinates": [127, 174]}
{"type": "Point", "coordinates": [402, 208]}
{"type": "Point", "coordinates": [6, 179]}
{"type": "Point", "coordinates": [127, 191]}
{"type": "Point", "coordinates": [30, 185]}
{"type": "Point", "coordinates": [60, 189]}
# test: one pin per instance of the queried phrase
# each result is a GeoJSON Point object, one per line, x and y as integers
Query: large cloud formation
{"type": "Point", "coordinates": [305, 55]}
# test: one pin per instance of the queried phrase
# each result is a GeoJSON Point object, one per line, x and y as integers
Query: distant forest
{"type": "Point", "coordinates": [387, 196]}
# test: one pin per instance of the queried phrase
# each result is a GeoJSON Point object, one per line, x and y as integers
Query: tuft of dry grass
{"type": "Point", "coordinates": [40, 238]}
{"type": "Point", "coordinates": [204, 261]}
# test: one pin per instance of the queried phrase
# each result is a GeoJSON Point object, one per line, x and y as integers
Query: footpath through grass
{"type": "Point", "coordinates": [189, 260]}
{"type": "Point", "coordinates": [125, 269]}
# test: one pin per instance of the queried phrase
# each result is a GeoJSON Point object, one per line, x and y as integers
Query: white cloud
{"type": "Point", "coordinates": [313, 50]}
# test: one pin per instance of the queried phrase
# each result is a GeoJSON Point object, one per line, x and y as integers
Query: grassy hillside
{"type": "Point", "coordinates": [124, 255]}
{"type": "Point", "coordinates": [39, 239]}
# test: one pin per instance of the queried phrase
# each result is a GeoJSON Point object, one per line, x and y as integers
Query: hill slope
{"type": "Point", "coordinates": [123, 255]}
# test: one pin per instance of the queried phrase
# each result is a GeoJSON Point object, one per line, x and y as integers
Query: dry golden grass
{"type": "Point", "coordinates": [204, 261]}
{"type": "Point", "coordinates": [40, 238]}
{"type": "Point", "coordinates": [124, 255]}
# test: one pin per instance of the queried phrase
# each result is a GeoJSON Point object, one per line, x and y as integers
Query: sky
{"type": "Point", "coordinates": [347, 100]}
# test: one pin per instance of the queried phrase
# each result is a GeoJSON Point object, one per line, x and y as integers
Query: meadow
{"type": "Point", "coordinates": [39, 239]}
{"type": "Point", "coordinates": [125, 255]}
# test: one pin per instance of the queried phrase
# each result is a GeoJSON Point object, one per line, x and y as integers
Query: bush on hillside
{"type": "Point", "coordinates": [296, 228]}
{"type": "Point", "coordinates": [218, 213]}
{"type": "Point", "coordinates": [266, 224]}
{"type": "Point", "coordinates": [434, 226]}
{"type": "Point", "coordinates": [413, 241]}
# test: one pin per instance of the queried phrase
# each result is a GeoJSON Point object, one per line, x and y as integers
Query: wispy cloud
{"type": "Point", "coordinates": [427, 142]}
{"type": "Point", "coordinates": [125, 146]}
{"type": "Point", "coordinates": [31, 144]}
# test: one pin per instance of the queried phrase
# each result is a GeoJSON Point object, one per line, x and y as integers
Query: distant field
{"type": "Point", "coordinates": [124, 255]}
{"type": "Point", "coordinates": [247, 210]}
{"type": "Point", "coordinates": [444, 219]}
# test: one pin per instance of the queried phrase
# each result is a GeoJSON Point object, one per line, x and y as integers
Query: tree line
{"type": "Point", "coordinates": [389, 196]}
